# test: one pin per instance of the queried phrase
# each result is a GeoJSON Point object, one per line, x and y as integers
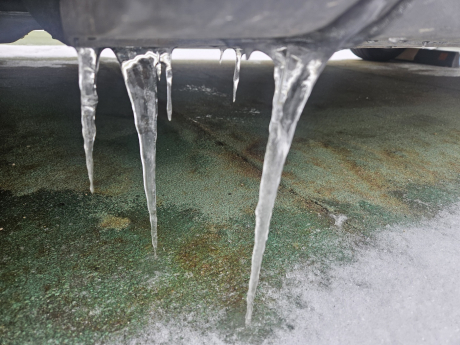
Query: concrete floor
{"type": "Point", "coordinates": [378, 143]}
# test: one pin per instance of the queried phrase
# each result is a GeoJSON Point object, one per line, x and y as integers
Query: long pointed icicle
{"type": "Point", "coordinates": [140, 75]}
{"type": "Point", "coordinates": [166, 59]}
{"type": "Point", "coordinates": [296, 71]}
{"type": "Point", "coordinates": [88, 64]}
{"type": "Point", "coordinates": [236, 74]}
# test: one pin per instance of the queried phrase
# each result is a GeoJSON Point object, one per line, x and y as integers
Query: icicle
{"type": "Point", "coordinates": [236, 74]}
{"type": "Point", "coordinates": [166, 59]}
{"type": "Point", "coordinates": [296, 71]}
{"type": "Point", "coordinates": [88, 64]}
{"type": "Point", "coordinates": [140, 75]}
{"type": "Point", "coordinates": [221, 55]}
{"type": "Point", "coordinates": [247, 52]}
{"type": "Point", "coordinates": [297, 68]}
{"type": "Point", "coordinates": [158, 66]}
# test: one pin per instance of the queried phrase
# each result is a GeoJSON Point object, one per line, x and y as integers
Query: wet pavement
{"type": "Point", "coordinates": [377, 143]}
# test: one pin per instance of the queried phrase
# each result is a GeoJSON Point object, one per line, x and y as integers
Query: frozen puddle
{"type": "Point", "coordinates": [401, 289]}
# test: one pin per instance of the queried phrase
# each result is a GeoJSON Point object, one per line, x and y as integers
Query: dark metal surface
{"type": "Point", "coordinates": [205, 22]}
{"type": "Point", "coordinates": [198, 19]}
{"type": "Point", "coordinates": [47, 14]}
{"type": "Point", "coordinates": [12, 6]}
{"type": "Point", "coordinates": [15, 25]}
{"type": "Point", "coordinates": [425, 23]}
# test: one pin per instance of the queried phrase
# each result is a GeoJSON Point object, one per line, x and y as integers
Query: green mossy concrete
{"type": "Point", "coordinates": [78, 268]}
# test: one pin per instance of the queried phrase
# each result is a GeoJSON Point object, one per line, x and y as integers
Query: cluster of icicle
{"type": "Point", "coordinates": [296, 71]}
{"type": "Point", "coordinates": [141, 68]}
{"type": "Point", "coordinates": [297, 67]}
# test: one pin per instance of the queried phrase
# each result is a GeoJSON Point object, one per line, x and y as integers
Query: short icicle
{"type": "Point", "coordinates": [297, 67]}
{"type": "Point", "coordinates": [248, 52]}
{"type": "Point", "coordinates": [296, 71]}
{"type": "Point", "coordinates": [221, 55]}
{"type": "Point", "coordinates": [236, 74]}
{"type": "Point", "coordinates": [158, 66]}
{"type": "Point", "coordinates": [88, 65]}
{"type": "Point", "coordinates": [140, 75]}
{"type": "Point", "coordinates": [166, 59]}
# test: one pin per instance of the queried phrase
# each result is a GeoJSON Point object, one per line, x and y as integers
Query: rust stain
{"type": "Point", "coordinates": [329, 145]}
{"type": "Point", "coordinates": [315, 207]}
{"type": "Point", "coordinates": [317, 162]}
{"type": "Point", "coordinates": [241, 165]}
{"type": "Point", "coordinates": [370, 185]}
{"type": "Point", "coordinates": [112, 222]}
{"type": "Point", "coordinates": [225, 270]}
{"type": "Point", "coordinates": [288, 175]}
{"type": "Point", "coordinates": [256, 150]}
{"type": "Point", "coordinates": [409, 165]}
{"type": "Point", "coordinates": [249, 210]}
{"type": "Point", "coordinates": [237, 136]}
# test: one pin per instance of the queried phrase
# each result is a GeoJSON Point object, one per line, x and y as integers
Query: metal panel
{"type": "Point", "coordinates": [131, 20]}
{"type": "Point", "coordinates": [205, 22]}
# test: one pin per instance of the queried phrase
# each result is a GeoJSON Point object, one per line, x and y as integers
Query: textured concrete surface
{"type": "Point", "coordinates": [378, 143]}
